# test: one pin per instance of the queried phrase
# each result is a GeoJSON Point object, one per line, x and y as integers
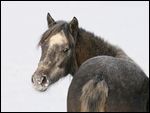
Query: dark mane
{"type": "Point", "coordinates": [96, 46]}
{"type": "Point", "coordinates": [59, 25]}
{"type": "Point", "coordinates": [100, 46]}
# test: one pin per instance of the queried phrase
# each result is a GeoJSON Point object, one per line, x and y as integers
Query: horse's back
{"type": "Point", "coordinates": [128, 86]}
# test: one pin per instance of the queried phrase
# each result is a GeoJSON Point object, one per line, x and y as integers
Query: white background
{"type": "Point", "coordinates": [125, 24]}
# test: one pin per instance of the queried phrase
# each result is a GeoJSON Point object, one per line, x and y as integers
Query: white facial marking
{"type": "Point", "coordinates": [58, 39]}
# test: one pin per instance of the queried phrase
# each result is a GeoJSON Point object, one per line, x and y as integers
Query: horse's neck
{"type": "Point", "coordinates": [88, 46]}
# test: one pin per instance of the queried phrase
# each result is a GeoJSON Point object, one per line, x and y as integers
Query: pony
{"type": "Point", "coordinates": [105, 78]}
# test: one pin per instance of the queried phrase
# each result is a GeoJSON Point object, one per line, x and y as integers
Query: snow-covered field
{"type": "Point", "coordinates": [125, 24]}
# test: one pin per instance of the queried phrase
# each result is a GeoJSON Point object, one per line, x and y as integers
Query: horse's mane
{"type": "Point", "coordinates": [96, 42]}
{"type": "Point", "coordinates": [98, 46]}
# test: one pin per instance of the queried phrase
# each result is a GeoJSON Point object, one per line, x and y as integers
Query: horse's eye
{"type": "Point", "coordinates": [66, 50]}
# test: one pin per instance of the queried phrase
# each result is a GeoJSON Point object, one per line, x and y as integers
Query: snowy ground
{"type": "Point", "coordinates": [125, 24]}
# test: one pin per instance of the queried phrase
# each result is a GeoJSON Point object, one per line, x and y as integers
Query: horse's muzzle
{"type": "Point", "coordinates": [40, 82]}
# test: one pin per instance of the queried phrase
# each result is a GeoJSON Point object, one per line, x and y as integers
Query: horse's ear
{"type": "Point", "coordinates": [73, 25]}
{"type": "Point", "coordinates": [50, 20]}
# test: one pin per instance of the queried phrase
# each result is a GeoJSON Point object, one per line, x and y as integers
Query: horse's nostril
{"type": "Point", "coordinates": [44, 80]}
